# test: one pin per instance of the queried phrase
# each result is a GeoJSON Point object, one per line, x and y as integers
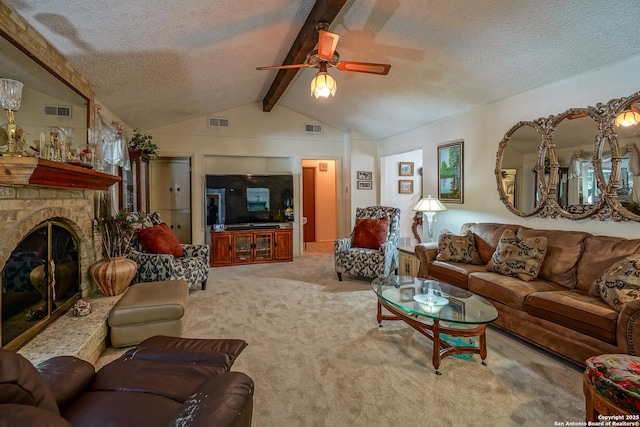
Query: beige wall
{"type": "Point", "coordinates": [259, 142]}
{"type": "Point", "coordinates": [390, 176]}
{"type": "Point", "coordinates": [483, 128]}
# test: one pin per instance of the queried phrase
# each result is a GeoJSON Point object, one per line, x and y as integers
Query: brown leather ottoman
{"type": "Point", "coordinates": [148, 309]}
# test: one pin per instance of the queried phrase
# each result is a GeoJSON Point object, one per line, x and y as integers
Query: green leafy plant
{"type": "Point", "coordinates": [144, 142]}
{"type": "Point", "coordinates": [116, 231]}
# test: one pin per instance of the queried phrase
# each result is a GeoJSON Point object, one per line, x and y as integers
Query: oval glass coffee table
{"type": "Point", "coordinates": [454, 319]}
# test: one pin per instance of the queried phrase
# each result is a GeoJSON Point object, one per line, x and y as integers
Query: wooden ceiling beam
{"type": "Point", "coordinates": [323, 10]}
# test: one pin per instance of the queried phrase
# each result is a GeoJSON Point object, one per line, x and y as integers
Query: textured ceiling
{"type": "Point", "coordinates": [155, 62]}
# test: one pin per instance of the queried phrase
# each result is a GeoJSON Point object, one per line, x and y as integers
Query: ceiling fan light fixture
{"type": "Point", "coordinates": [628, 118]}
{"type": "Point", "coordinates": [323, 84]}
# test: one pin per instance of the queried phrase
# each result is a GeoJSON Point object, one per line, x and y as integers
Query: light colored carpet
{"type": "Point", "coordinates": [318, 357]}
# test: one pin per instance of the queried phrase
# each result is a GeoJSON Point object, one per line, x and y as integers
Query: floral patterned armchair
{"type": "Point", "coordinates": [193, 267]}
{"type": "Point", "coordinates": [369, 262]}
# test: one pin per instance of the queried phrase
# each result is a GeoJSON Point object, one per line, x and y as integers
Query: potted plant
{"type": "Point", "coordinates": [114, 273]}
{"type": "Point", "coordinates": [143, 142]}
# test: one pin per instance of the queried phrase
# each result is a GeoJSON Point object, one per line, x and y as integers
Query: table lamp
{"type": "Point", "coordinates": [429, 206]}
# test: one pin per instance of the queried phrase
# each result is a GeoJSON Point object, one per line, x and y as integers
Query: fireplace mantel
{"type": "Point", "coordinates": [35, 171]}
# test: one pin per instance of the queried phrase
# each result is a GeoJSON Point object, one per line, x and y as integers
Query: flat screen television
{"type": "Point", "coordinates": [237, 200]}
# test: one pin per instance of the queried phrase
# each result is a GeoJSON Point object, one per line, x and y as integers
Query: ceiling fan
{"type": "Point", "coordinates": [326, 57]}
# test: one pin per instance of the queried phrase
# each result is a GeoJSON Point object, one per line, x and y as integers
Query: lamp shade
{"type": "Point", "coordinates": [628, 118]}
{"type": "Point", "coordinates": [429, 204]}
{"type": "Point", "coordinates": [323, 84]}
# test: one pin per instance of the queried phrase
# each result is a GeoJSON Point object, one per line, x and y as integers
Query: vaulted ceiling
{"type": "Point", "coordinates": [156, 62]}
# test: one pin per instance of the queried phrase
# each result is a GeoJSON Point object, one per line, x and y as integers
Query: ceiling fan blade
{"type": "Point", "coordinates": [364, 67]}
{"type": "Point", "coordinates": [281, 67]}
{"type": "Point", "coordinates": [327, 43]}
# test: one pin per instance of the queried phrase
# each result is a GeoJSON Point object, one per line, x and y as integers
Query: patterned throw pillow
{"type": "Point", "coordinates": [452, 247]}
{"type": "Point", "coordinates": [519, 258]}
{"type": "Point", "coordinates": [619, 283]}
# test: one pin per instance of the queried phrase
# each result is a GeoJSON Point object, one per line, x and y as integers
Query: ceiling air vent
{"type": "Point", "coordinates": [57, 110]}
{"type": "Point", "coordinates": [313, 128]}
{"type": "Point", "coordinates": [216, 122]}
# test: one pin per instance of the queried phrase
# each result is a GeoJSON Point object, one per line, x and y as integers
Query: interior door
{"type": "Point", "coordinates": [309, 203]}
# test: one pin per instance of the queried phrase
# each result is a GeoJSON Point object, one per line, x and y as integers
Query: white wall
{"type": "Point", "coordinates": [483, 128]}
{"type": "Point", "coordinates": [390, 196]}
{"type": "Point", "coordinates": [253, 140]}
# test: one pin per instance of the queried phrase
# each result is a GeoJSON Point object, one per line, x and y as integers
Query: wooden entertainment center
{"type": "Point", "coordinates": [251, 245]}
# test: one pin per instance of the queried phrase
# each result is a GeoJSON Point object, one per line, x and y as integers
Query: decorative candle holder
{"type": "Point", "coordinates": [10, 98]}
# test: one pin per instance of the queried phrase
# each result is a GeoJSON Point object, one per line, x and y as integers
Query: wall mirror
{"type": "Point", "coordinates": [625, 198]}
{"type": "Point", "coordinates": [582, 163]}
{"type": "Point", "coordinates": [65, 107]}
{"type": "Point", "coordinates": [518, 185]}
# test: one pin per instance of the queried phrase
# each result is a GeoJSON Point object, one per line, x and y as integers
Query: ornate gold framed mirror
{"type": "Point", "coordinates": [584, 162]}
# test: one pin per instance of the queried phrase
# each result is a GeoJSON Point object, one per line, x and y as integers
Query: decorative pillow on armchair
{"type": "Point", "coordinates": [456, 248]}
{"type": "Point", "coordinates": [519, 258]}
{"type": "Point", "coordinates": [619, 283]}
{"type": "Point", "coordinates": [370, 233]}
{"type": "Point", "coordinates": [159, 239]}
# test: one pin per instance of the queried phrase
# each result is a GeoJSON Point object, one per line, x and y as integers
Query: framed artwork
{"type": "Point", "coordinates": [323, 166]}
{"type": "Point", "coordinates": [405, 186]}
{"type": "Point", "coordinates": [407, 292]}
{"type": "Point", "coordinates": [509, 185]}
{"type": "Point", "coordinates": [365, 175]}
{"type": "Point", "coordinates": [406, 168]}
{"type": "Point", "coordinates": [450, 172]}
{"type": "Point", "coordinates": [457, 308]}
{"type": "Point", "coordinates": [365, 185]}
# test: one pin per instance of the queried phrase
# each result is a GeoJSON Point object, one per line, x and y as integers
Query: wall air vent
{"type": "Point", "coordinates": [57, 110]}
{"type": "Point", "coordinates": [313, 128]}
{"type": "Point", "coordinates": [217, 122]}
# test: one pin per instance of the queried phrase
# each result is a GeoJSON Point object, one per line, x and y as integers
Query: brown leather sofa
{"type": "Point", "coordinates": [164, 381]}
{"type": "Point", "coordinates": [555, 310]}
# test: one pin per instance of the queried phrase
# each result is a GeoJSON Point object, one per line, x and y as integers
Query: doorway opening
{"type": "Point", "coordinates": [319, 200]}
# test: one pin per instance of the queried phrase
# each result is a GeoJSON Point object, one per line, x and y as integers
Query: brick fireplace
{"type": "Point", "coordinates": [33, 191]}
{"type": "Point", "coordinates": [23, 209]}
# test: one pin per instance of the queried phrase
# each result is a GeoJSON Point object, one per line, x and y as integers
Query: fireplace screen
{"type": "Point", "coordinates": [40, 281]}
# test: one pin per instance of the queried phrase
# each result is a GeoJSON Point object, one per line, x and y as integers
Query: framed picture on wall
{"type": "Point", "coordinates": [365, 175]}
{"type": "Point", "coordinates": [323, 166]}
{"type": "Point", "coordinates": [405, 186]}
{"type": "Point", "coordinates": [365, 185]}
{"type": "Point", "coordinates": [406, 169]}
{"type": "Point", "coordinates": [450, 172]}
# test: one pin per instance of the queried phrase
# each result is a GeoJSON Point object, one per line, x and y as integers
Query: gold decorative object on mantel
{"type": "Point", "coordinates": [543, 166]}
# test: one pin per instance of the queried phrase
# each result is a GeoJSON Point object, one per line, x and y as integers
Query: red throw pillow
{"type": "Point", "coordinates": [159, 239]}
{"type": "Point", "coordinates": [370, 233]}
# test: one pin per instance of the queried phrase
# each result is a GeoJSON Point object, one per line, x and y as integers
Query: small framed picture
{"type": "Point", "coordinates": [406, 168]}
{"type": "Point", "coordinates": [405, 186]}
{"type": "Point", "coordinates": [365, 175]}
{"type": "Point", "coordinates": [365, 185]}
{"type": "Point", "coordinates": [407, 292]}
{"type": "Point", "coordinates": [323, 166]}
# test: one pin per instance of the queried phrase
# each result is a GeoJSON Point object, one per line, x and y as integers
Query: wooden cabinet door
{"type": "Point", "coordinates": [221, 248]}
{"type": "Point", "coordinates": [283, 244]}
{"type": "Point", "coordinates": [243, 247]}
{"type": "Point", "coordinates": [263, 246]}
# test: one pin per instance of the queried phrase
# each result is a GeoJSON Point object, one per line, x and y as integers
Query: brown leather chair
{"type": "Point", "coordinates": [164, 381]}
